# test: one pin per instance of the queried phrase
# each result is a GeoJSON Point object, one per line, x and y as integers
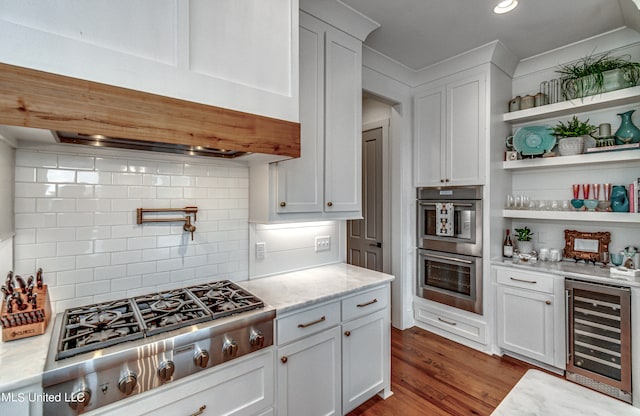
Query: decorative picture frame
{"type": "Point", "coordinates": [586, 246]}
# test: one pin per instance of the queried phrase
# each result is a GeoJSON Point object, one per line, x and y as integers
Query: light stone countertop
{"type": "Point", "coordinates": [302, 288]}
{"type": "Point", "coordinates": [541, 394]}
{"type": "Point", "coordinates": [22, 361]}
{"type": "Point", "coordinates": [569, 268]}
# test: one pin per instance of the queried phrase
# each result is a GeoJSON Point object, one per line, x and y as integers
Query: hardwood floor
{"type": "Point", "coordinates": [433, 376]}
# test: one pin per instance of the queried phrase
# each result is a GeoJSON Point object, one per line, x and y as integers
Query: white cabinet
{"type": "Point", "coordinates": [329, 367]}
{"type": "Point", "coordinates": [309, 377]}
{"type": "Point", "coordinates": [237, 55]}
{"type": "Point", "coordinates": [23, 401]}
{"type": "Point", "coordinates": [530, 315]}
{"type": "Point", "coordinates": [242, 387]}
{"type": "Point", "coordinates": [450, 131]}
{"type": "Point", "coordinates": [326, 181]}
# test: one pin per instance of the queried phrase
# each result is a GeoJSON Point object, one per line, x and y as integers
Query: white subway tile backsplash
{"type": "Point", "coordinates": [75, 191]}
{"type": "Point", "coordinates": [76, 162]}
{"type": "Point", "coordinates": [76, 218]}
{"type": "Point", "coordinates": [69, 248]}
{"type": "Point", "coordinates": [25, 174]}
{"type": "Point", "coordinates": [111, 191]}
{"type": "Point", "coordinates": [36, 159]}
{"type": "Point", "coordinates": [25, 205]}
{"type": "Point", "coordinates": [93, 288]}
{"type": "Point", "coordinates": [126, 179]}
{"type": "Point", "coordinates": [55, 176]}
{"type": "Point", "coordinates": [35, 190]}
{"type": "Point", "coordinates": [55, 205]}
{"type": "Point", "coordinates": [92, 233]}
{"type": "Point", "coordinates": [111, 165]}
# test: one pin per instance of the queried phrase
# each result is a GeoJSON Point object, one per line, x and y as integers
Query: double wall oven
{"type": "Point", "coordinates": [450, 263]}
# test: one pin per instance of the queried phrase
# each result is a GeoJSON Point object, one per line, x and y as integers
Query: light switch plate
{"type": "Point", "coordinates": [260, 249]}
{"type": "Point", "coordinates": [323, 243]}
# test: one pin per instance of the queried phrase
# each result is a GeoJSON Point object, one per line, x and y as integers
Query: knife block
{"type": "Point", "coordinates": [29, 322]}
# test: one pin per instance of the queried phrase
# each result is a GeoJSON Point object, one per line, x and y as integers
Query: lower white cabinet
{"type": "Point", "coordinates": [309, 375]}
{"type": "Point", "coordinates": [365, 358]}
{"type": "Point", "coordinates": [242, 387]}
{"type": "Point", "coordinates": [22, 402]}
{"type": "Point", "coordinates": [530, 315]}
{"type": "Point", "coordinates": [328, 366]}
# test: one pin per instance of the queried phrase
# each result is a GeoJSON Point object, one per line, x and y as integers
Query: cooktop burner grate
{"type": "Point", "coordinates": [88, 328]}
{"type": "Point", "coordinates": [169, 310]}
{"type": "Point", "coordinates": [225, 298]}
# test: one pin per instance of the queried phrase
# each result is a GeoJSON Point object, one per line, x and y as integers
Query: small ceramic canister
{"type": "Point", "coordinates": [540, 99]}
{"type": "Point", "coordinates": [514, 104]}
{"type": "Point", "coordinates": [528, 101]}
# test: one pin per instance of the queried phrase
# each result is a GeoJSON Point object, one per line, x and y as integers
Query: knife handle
{"type": "Point", "coordinates": [39, 278]}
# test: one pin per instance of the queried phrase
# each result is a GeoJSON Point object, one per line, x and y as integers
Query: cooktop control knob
{"type": "Point", "coordinates": [201, 358]}
{"type": "Point", "coordinates": [165, 370]}
{"type": "Point", "coordinates": [80, 398]}
{"type": "Point", "coordinates": [128, 382]}
{"type": "Point", "coordinates": [230, 348]}
{"type": "Point", "coordinates": [256, 339]}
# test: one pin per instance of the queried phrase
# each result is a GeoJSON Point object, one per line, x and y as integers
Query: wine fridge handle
{"type": "Point", "coordinates": [567, 325]}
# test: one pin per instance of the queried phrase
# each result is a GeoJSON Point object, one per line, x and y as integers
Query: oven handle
{"type": "Point", "coordinates": [437, 256]}
{"type": "Point", "coordinates": [455, 204]}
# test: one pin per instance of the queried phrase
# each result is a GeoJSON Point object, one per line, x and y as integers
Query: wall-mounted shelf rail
{"type": "Point", "coordinates": [188, 226]}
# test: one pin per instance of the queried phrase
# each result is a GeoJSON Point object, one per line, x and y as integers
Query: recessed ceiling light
{"type": "Point", "coordinates": [505, 6]}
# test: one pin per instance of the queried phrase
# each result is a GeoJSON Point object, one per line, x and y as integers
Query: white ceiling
{"type": "Point", "coordinates": [419, 33]}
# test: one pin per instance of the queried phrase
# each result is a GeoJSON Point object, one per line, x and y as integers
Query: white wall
{"type": "Point", "coordinates": [291, 246]}
{"type": "Point", "coordinates": [76, 218]}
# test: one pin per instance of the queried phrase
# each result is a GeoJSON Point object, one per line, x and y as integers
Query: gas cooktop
{"type": "Point", "coordinates": [93, 327]}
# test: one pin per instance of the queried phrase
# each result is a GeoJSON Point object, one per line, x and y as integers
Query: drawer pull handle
{"type": "Point", "coordinates": [533, 282]}
{"type": "Point", "coordinates": [371, 302]}
{"type": "Point", "coordinates": [347, 333]}
{"type": "Point", "coordinates": [284, 359]}
{"type": "Point", "coordinates": [447, 322]}
{"type": "Point", "coordinates": [317, 321]}
{"type": "Point", "coordinates": [200, 411]}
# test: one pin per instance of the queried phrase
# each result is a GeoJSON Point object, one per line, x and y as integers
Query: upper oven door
{"type": "Point", "coordinates": [467, 238]}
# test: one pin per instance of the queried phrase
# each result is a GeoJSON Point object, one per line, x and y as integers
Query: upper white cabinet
{"type": "Point", "coordinates": [326, 181]}
{"type": "Point", "coordinates": [450, 130]}
{"type": "Point", "coordinates": [237, 55]}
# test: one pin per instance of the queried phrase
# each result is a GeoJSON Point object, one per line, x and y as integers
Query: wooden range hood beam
{"type": "Point", "coordinates": [31, 98]}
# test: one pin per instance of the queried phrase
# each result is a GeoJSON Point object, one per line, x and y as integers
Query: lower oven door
{"type": "Point", "coordinates": [452, 279]}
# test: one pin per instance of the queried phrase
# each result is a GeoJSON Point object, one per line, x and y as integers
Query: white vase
{"type": "Point", "coordinates": [525, 247]}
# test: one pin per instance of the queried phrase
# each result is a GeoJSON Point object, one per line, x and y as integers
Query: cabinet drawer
{"type": "Point", "coordinates": [452, 323]}
{"type": "Point", "coordinates": [365, 303]}
{"type": "Point", "coordinates": [307, 322]}
{"type": "Point", "coordinates": [525, 280]}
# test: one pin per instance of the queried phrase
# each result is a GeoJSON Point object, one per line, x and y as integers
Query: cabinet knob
{"type": "Point", "coordinates": [284, 359]}
{"type": "Point", "coordinates": [446, 180]}
{"type": "Point", "coordinates": [329, 204]}
{"type": "Point", "coordinates": [441, 180]}
{"type": "Point", "coordinates": [347, 333]}
{"type": "Point", "coordinates": [548, 302]}
{"type": "Point", "coordinates": [283, 204]}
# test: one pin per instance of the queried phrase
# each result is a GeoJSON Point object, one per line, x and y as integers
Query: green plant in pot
{"type": "Point", "coordinates": [595, 74]}
{"type": "Point", "coordinates": [573, 136]}
{"type": "Point", "coordinates": [525, 245]}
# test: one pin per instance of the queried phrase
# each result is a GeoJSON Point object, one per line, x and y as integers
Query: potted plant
{"type": "Point", "coordinates": [573, 135]}
{"type": "Point", "coordinates": [595, 74]}
{"type": "Point", "coordinates": [525, 245]}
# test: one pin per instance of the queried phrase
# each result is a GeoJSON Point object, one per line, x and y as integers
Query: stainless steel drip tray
{"type": "Point", "coordinates": [164, 345]}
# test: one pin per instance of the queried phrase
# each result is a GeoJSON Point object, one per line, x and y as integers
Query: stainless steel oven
{"type": "Point", "coordinates": [599, 337]}
{"type": "Point", "coordinates": [452, 279]}
{"type": "Point", "coordinates": [450, 266]}
{"type": "Point", "coordinates": [467, 224]}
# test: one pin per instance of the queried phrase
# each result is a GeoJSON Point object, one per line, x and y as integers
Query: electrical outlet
{"type": "Point", "coordinates": [323, 243]}
{"type": "Point", "coordinates": [260, 249]}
